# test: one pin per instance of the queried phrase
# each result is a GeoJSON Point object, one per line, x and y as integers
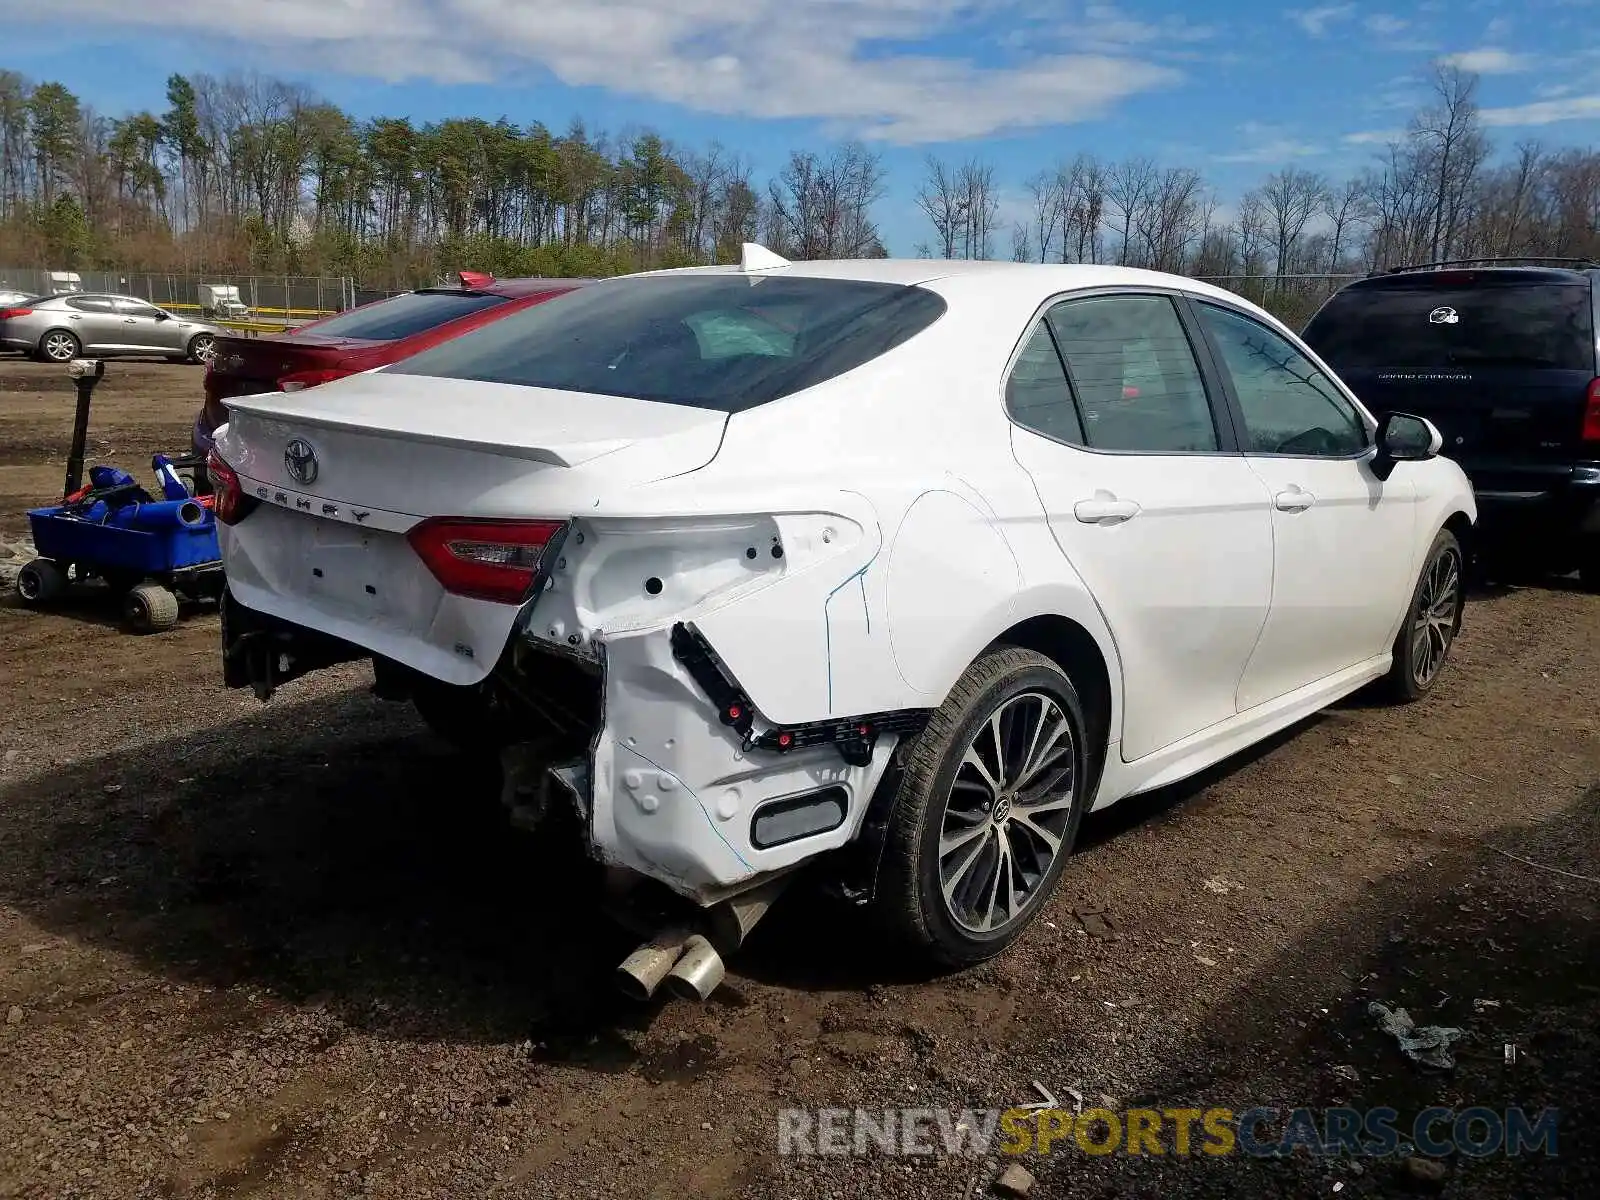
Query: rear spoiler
{"type": "Point", "coordinates": [269, 406]}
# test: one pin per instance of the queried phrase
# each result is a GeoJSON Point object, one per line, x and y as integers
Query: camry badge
{"type": "Point", "coordinates": [300, 460]}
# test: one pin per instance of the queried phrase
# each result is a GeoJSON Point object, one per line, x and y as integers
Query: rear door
{"type": "Point", "coordinates": [1501, 361]}
{"type": "Point", "coordinates": [96, 322]}
{"type": "Point", "coordinates": [1150, 501]}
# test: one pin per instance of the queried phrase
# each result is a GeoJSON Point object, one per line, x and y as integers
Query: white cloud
{"type": "Point", "coordinates": [843, 62]}
{"type": "Point", "coordinates": [1385, 25]}
{"type": "Point", "coordinates": [1373, 137]}
{"type": "Point", "coordinates": [1315, 21]}
{"type": "Point", "coordinates": [1265, 143]}
{"type": "Point", "coordinates": [1545, 112]}
{"type": "Point", "coordinates": [1489, 60]}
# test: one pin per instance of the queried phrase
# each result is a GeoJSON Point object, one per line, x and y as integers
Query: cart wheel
{"type": "Point", "coordinates": [150, 608]}
{"type": "Point", "coordinates": [40, 581]}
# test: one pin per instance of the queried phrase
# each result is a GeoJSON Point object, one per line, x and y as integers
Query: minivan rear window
{"type": "Point", "coordinates": [723, 342]}
{"type": "Point", "coordinates": [401, 316]}
{"type": "Point", "coordinates": [1534, 325]}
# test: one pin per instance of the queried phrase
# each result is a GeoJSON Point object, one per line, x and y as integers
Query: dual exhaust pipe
{"type": "Point", "coordinates": [686, 962]}
{"type": "Point", "coordinates": [689, 964]}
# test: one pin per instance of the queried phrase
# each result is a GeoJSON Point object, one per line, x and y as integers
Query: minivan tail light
{"type": "Point", "coordinates": [1591, 413]}
{"type": "Point", "coordinates": [498, 560]}
{"type": "Point", "coordinates": [300, 380]}
{"type": "Point", "coordinates": [231, 505]}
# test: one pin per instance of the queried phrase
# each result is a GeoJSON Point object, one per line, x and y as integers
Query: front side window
{"type": "Point", "coordinates": [1289, 406]}
{"type": "Point", "coordinates": [717, 341]}
{"type": "Point", "coordinates": [1134, 374]}
{"type": "Point", "coordinates": [137, 308]}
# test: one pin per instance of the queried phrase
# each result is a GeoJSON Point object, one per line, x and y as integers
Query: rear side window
{"type": "Point", "coordinates": [1135, 375]}
{"type": "Point", "coordinates": [723, 342]}
{"type": "Point", "coordinates": [90, 304]}
{"type": "Point", "coordinates": [401, 316]}
{"type": "Point", "coordinates": [1387, 328]}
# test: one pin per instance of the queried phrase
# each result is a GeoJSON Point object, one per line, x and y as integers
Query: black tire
{"type": "Point", "coordinates": [459, 715]}
{"type": "Point", "coordinates": [201, 347]}
{"type": "Point", "coordinates": [41, 581]}
{"type": "Point", "coordinates": [1589, 569]}
{"type": "Point", "coordinates": [1414, 673]}
{"type": "Point", "coordinates": [910, 900]}
{"type": "Point", "coordinates": [150, 608]}
{"type": "Point", "coordinates": [58, 346]}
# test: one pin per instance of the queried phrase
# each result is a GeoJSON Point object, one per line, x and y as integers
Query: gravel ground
{"type": "Point", "coordinates": [292, 950]}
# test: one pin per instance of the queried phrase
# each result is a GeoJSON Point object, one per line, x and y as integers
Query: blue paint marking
{"type": "Point", "coordinates": [703, 811]}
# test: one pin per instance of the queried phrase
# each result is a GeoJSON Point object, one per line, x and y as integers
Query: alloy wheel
{"type": "Point", "coordinates": [1433, 625]}
{"type": "Point", "coordinates": [60, 347]}
{"type": "Point", "coordinates": [1007, 811]}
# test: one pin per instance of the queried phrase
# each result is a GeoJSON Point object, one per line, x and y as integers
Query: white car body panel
{"type": "Point", "coordinates": [898, 568]}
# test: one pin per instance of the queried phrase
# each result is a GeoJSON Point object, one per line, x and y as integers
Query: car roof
{"type": "Point", "coordinates": [531, 286]}
{"type": "Point", "coordinates": [977, 273]}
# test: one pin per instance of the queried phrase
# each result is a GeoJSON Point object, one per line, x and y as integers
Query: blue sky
{"type": "Point", "coordinates": [1236, 89]}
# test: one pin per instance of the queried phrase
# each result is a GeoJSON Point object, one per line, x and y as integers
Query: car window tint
{"type": "Point", "coordinates": [402, 316]}
{"type": "Point", "coordinates": [136, 308]}
{"type": "Point", "coordinates": [1038, 396]}
{"type": "Point", "coordinates": [89, 304]}
{"type": "Point", "coordinates": [1134, 371]}
{"type": "Point", "coordinates": [1289, 406]}
{"type": "Point", "coordinates": [720, 341]}
{"type": "Point", "coordinates": [1435, 328]}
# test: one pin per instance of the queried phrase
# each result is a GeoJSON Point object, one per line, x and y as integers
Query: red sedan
{"type": "Point", "coordinates": [373, 335]}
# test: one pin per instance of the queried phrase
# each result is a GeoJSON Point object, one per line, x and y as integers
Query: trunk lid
{"type": "Point", "coordinates": [326, 547]}
{"type": "Point", "coordinates": [245, 366]}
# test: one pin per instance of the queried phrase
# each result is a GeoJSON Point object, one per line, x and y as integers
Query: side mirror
{"type": "Point", "coordinates": [1405, 438]}
{"type": "Point", "coordinates": [161, 316]}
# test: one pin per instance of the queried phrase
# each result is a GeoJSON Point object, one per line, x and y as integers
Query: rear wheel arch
{"type": "Point", "coordinates": [1074, 649]}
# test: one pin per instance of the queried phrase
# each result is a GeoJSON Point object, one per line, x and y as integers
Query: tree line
{"type": "Point", "coordinates": [252, 174]}
{"type": "Point", "coordinates": [1435, 192]}
{"type": "Point", "coordinates": [256, 174]}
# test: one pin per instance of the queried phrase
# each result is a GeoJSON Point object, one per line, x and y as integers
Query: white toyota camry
{"type": "Point", "coordinates": [908, 564]}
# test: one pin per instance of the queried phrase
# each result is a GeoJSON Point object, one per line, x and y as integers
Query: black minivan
{"type": "Point", "coordinates": [1504, 360]}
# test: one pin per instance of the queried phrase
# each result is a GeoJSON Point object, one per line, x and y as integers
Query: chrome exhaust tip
{"type": "Point", "coordinates": [698, 972]}
{"type": "Point", "coordinates": [641, 973]}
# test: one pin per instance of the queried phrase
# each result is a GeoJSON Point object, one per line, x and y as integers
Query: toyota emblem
{"type": "Point", "coordinates": [300, 460]}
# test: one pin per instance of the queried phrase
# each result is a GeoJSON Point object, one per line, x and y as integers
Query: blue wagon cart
{"type": "Point", "coordinates": [150, 549]}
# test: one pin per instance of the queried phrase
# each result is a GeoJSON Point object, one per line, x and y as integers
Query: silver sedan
{"type": "Point", "coordinates": [60, 328]}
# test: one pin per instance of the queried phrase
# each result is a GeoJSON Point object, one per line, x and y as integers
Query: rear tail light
{"type": "Point", "coordinates": [230, 502]}
{"type": "Point", "coordinates": [15, 312]}
{"type": "Point", "coordinates": [502, 561]}
{"type": "Point", "coordinates": [299, 380]}
{"type": "Point", "coordinates": [1591, 413]}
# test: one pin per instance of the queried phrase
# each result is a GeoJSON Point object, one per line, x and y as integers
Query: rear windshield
{"type": "Point", "coordinates": [1547, 325]}
{"type": "Point", "coordinates": [401, 316]}
{"type": "Point", "coordinates": [724, 342]}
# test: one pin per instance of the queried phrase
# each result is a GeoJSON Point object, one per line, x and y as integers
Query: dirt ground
{"type": "Point", "coordinates": [292, 950]}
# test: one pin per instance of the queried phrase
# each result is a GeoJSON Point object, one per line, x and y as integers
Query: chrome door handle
{"type": "Point", "coordinates": [1105, 509]}
{"type": "Point", "coordinates": [1294, 500]}
{"type": "Point", "coordinates": [130, 321]}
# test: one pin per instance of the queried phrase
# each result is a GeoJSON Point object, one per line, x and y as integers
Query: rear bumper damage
{"type": "Point", "coordinates": [668, 763]}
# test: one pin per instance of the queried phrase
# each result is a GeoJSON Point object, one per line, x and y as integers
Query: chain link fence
{"type": "Point", "coordinates": [277, 298]}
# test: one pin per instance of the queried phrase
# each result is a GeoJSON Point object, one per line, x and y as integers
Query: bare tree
{"type": "Point", "coordinates": [979, 207]}
{"type": "Point", "coordinates": [940, 199]}
{"type": "Point", "coordinates": [1348, 208]}
{"type": "Point", "coordinates": [1128, 190]}
{"type": "Point", "coordinates": [1021, 243]}
{"type": "Point", "coordinates": [1289, 199]}
{"type": "Point", "coordinates": [1450, 136]}
{"type": "Point", "coordinates": [1047, 190]}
